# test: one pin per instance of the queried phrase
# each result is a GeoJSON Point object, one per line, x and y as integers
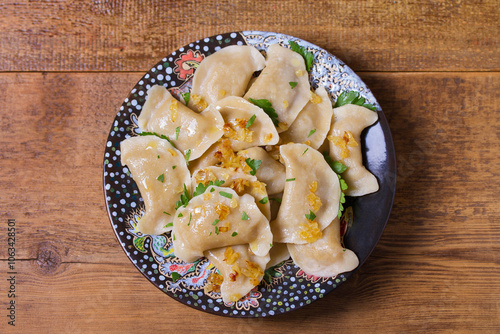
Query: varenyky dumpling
{"type": "Point", "coordinates": [278, 253]}
{"type": "Point", "coordinates": [190, 131]}
{"type": "Point", "coordinates": [160, 172]}
{"type": "Point", "coordinates": [239, 181]}
{"type": "Point", "coordinates": [311, 197]}
{"type": "Point", "coordinates": [224, 73]}
{"type": "Point", "coordinates": [237, 112]}
{"type": "Point", "coordinates": [240, 268]}
{"type": "Point", "coordinates": [271, 172]}
{"type": "Point", "coordinates": [325, 257]}
{"type": "Point", "coordinates": [219, 218]}
{"type": "Point", "coordinates": [283, 67]}
{"type": "Point", "coordinates": [206, 159]}
{"type": "Point", "coordinates": [345, 146]}
{"type": "Point", "coordinates": [313, 123]}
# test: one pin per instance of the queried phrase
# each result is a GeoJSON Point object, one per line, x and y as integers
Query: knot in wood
{"type": "Point", "coordinates": [48, 259]}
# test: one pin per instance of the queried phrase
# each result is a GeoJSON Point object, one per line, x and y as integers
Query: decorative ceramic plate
{"type": "Point", "coordinates": [285, 287]}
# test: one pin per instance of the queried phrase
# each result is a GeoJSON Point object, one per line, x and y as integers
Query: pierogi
{"type": "Point", "coordinates": [283, 66]}
{"type": "Point", "coordinates": [220, 218]}
{"type": "Point", "coordinates": [160, 172]}
{"type": "Point", "coordinates": [344, 138]}
{"type": "Point", "coordinates": [224, 73]}
{"type": "Point", "coordinates": [245, 183]}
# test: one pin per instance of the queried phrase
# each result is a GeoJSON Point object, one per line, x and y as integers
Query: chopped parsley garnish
{"type": "Point", "coordinates": [234, 234]}
{"type": "Point", "coordinates": [173, 236]}
{"type": "Point", "coordinates": [288, 180]}
{"type": "Point", "coordinates": [268, 109]}
{"type": "Point", "coordinates": [308, 56]}
{"type": "Point", "coordinates": [175, 277]}
{"type": "Point", "coordinates": [305, 151]}
{"type": "Point", "coordinates": [250, 121]}
{"type": "Point", "coordinates": [341, 202]}
{"type": "Point", "coordinates": [188, 154]}
{"type": "Point", "coordinates": [353, 98]}
{"type": "Point", "coordinates": [275, 199]}
{"type": "Point", "coordinates": [253, 164]}
{"type": "Point", "coordinates": [184, 200]}
{"type": "Point", "coordinates": [244, 216]}
{"type": "Point", "coordinates": [169, 224]}
{"type": "Point", "coordinates": [310, 216]}
{"type": "Point", "coordinates": [177, 130]}
{"type": "Point", "coordinates": [217, 230]}
{"type": "Point", "coordinates": [180, 215]}
{"type": "Point", "coordinates": [174, 167]}
{"type": "Point", "coordinates": [215, 222]}
{"type": "Point", "coordinates": [145, 133]}
{"type": "Point", "coordinates": [343, 185]}
{"type": "Point", "coordinates": [186, 97]}
{"type": "Point", "coordinates": [161, 178]}
{"type": "Point", "coordinates": [166, 213]}
{"type": "Point", "coordinates": [200, 189]}
{"type": "Point", "coordinates": [292, 84]}
{"type": "Point", "coordinates": [271, 245]}
{"type": "Point", "coordinates": [225, 194]}
{"type": "Point", "coordinates": [338, 168]}
{"type": "Point", "coordinates": [158, 156]}
{"type": "Point", "coordinates": [190, 216]}
{"type": "Point", "coordinates": [311, 133]}
{"type": "Point", "coordinates": [264, 200]}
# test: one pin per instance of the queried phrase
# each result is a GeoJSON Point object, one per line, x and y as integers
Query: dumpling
{"type": "Point", "coordinates": [237, 112]}
{"type": "Point", "coordinates": [239, 181]}
{"type": "Point", "coordinates": [271, 172]}
{"type": "Point", "coordinates": [240, 268]}
{"type": "Point", "coordinates": [219, 218]}
{"type": "Point", "coordinates": [224, 73]}
{"type": "Point", "coordinates": [345, 146]}
{"type": "Point", "coordinates": [311, 196]}
{"type": "Point", "coordinates": [284, 68]}
{"type": "Point", "coordinates": [278, 253]}
{"type": "Point", "coordinates": [313, 123]}
{"type": "Point", "coordinates": [207, 159]}
{"type": "Point", "coordinates": [191, 132]}
{"type": "Point", "coordinates": [160, 172]}
{"type": "Point", "coordinates": [326, 257]}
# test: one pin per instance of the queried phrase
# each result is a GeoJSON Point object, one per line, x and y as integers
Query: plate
{"type": "Point", "coordinates": [285, 287]}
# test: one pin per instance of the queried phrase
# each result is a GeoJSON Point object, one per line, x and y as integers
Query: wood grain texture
{"type": "Point", "coordinates": [436, 268]}
{"type": "Point", "coordinates": [377, 35]}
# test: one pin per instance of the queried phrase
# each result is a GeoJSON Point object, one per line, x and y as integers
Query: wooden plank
{"type": "Point", "coordinates": [436, 267]}
{"type": "Point", "coordinates": [132, 36]}
{"type": "Point", "coordinates": [425, 292]}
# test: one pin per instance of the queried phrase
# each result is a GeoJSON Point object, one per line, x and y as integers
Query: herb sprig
{"type": "Point", "coordinates": [268, 109]}
{"type": "Point", "coordinates": [200, 189]}
{"type": "Point", "coordinates": [308, 56]}
{"type": "Point", "coordinates": [353, 98]}
{"type": "Point", "coordinates": [184, 200]}
{"type": "Point", "coordinates": [250, 121]}
{"type": "Point", "coordinates": [338, 168]}
{"type": "Point", "coordinates": [146, 133]}
{"type": "Point", "coordinates": [186, 97]}
{"type": "Point", "coordinates": [253, 164]}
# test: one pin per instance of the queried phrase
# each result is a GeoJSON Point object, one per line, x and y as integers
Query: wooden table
{"type": "Point", "coordinates": [65, 67]}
